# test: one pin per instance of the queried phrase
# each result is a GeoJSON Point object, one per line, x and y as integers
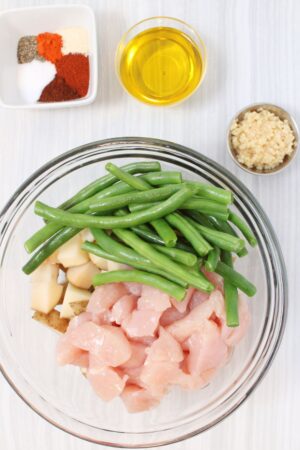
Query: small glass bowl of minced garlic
{"type": "Point", "coordinates": [262, 139]}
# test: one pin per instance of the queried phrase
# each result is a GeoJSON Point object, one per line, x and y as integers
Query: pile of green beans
{"type": "Point", "coordinates": [169, 230]}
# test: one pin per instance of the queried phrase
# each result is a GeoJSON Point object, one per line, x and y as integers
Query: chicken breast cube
{"type": "Point", "coordinates": [122, 308]}
{"type": "Point", "coordinates": [45, 290]}
{"type": "Point", "coordinates": [194, 321]}
{"type": "Point", "coordinates": [207, 349]}
{"type": "Point", "coordinates": [107, 342]}
{"type": "Point", "coordinates": [104, 297]}
{"type": "Point", "coordinates": [157, 376]}
{"type": "Point", "coordinates": [182, 306]}
{"type": "Point", "coordinates": [70, 254]}
{"type": "Point", "coordinates": [138, 356]}
{"type": "Point", "coordinates": [137, 399]}
{"type": "Point", "coordinates": [165, 348]}
{"type": "Point", "coordinates": [154, 299]}
{"type": "Point", "coordinates": [66, 352]}
{"type": "Point", "coordinates": [107, 383]}
{"type": "Point", "coordinates": [141, 323]}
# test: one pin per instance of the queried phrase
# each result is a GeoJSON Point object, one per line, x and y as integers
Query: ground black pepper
{"type": "Point", "coordinates": [27, 50]}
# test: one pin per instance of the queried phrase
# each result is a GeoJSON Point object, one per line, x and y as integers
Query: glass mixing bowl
{"type": "Point", "coordinates": [62, 395]}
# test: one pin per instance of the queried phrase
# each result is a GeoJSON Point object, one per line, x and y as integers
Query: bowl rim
{"type": "Point", "coordinates": [270, 107]}
{"type": "Point", "coordinates": [91, 96]}
{"type": "Point", "coordinates": [245, 191]}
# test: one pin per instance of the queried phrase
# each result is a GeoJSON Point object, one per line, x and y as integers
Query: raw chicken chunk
{"type": "Point", "coordinates": [153, 299]}
{"type": "Point", "coordinates": [141, 323]}
{"type": "Point", "coordinates": [137, 399]}
{"type": "Point", "coordinates": [107, 383]}
{"type": "Point", "coordinates": [104, 297]}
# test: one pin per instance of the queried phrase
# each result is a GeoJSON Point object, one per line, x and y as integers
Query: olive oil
{"type": "Point", "coordinates": [161, 66]}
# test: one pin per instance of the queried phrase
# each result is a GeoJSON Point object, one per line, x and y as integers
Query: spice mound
{"type": "Point", "coordinates": [66, 52]}
{"type": "Point", "coordinates": [262, 140]}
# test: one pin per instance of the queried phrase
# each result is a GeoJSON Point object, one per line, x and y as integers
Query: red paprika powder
{"type": "Point", "coordinates": [74, 69]}
{"type": "Point", "coordinates": [58, 91]}
{"type": "Point", "coordinates": [49, 46]}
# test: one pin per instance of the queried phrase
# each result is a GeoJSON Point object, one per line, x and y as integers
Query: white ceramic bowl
{"type": "Point", "coordinates": [16, 23]}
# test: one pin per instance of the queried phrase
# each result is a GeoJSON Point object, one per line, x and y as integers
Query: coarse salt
{"type": "Point", "coordinates": [33, 77]}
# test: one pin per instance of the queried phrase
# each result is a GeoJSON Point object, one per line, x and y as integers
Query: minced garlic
{"type": "Point", "coordinates": [262, 140]}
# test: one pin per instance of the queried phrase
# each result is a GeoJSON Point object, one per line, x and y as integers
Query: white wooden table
{"type": "Point", "coordinates": [253, 50]}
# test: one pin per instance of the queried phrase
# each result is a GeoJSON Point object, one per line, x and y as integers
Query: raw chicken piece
{"type": "Point", "coordinates": [66, 352]}
{"type": "Point", "coordinates": [107, 383]}
{"type": "Point", "coordinates": [106, 342]}
{"type": "Point", "coordinates": [137, 399]}
{"type": "Point", "coordinates": [103, 297]}
{"type": "Point", "coordinates": [182, 306]}
{"type": "Point", "coordinates": [138, 356]}
{"type": "Point", "coordinates": [82, 360]}
{"type": "Point", "coordinates": [145, 340]}
{"type": "Point", "coordinates": [233, 336]}
{"type": "Point", "coordinates": [215, 279]}
{"type": "Point", "coordinates": [157, 376]}
{"type": "Point", "coordinates": [78, 320]}
{"type": "Point", "coordinates": [194, 321]}
{"type": "Point", "coordinates": [198, 298]}
{"type": "Point", "coordinates": [122, 308]}
{"type": "Point", "coordinates": [133, 374]}
{"type": "Point", "coordinates": [153, 299]}
{"type": "Point", "coordinates": [207, 350]}
{"type": "Point", "coordinates": [134, 288]}
{"type": "Point", "coordinates": [171, 315]}
{"type": "Point", "coordinates": [95, 363]}
{"type": "Point", "coordinates": [165, 348]}
{"type": "Point", "coordinates": [188, 381]}
{"type": "Point", "coordinates": [141, 323]}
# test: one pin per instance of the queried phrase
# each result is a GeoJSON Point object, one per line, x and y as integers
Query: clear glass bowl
{"type": "Point", "coordinates": [61, 395]}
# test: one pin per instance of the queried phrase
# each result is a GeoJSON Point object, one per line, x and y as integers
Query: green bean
{"type": "Point", "coordinates": [134, 207]}
{"type": "Point", "coordinates": [132, 219]}
{"type": "Point", "coordinates": [230, 294]}
{"type": "Point", "coordinates": [207, 207]}
{"type": "Point", "coordinates": [181, 256]}
{"type": "Point", "coordinates": [231, 304]}
{"type": "Point", "coordinates": [236, 279]}
{"type": "Point", "coordinates": [163, 177]}
{"type": "Point", "coordinates": [195, 203]}
{"type": "Point", "coordinates": [218, 238]}
{"type": "Point", "coordinates": [119, 201]}
{"type": "Point", "coordinates": [162, 261]}
{"type": "Point", "coordinates": [48, 230]}
{"type": "Point", "coordinates": [131, 180]}
{"type": "Point", "coordinates": [153, 238]}
{"type": "Point", "coordinates": [216, 194]}
{"type": "Point", "coordinates": [200, 218]}
{"type": "Point", "coordinates": [166, 233]}
{"type": "Point", "coordinates": [227, 228]}
{"type": "Point", "coordinates": [212, 259]}
{"type": "Point", "coordinates": [199, 244]}
{"type": "Point", "coordinates": [243, 227]}
{"type": "Point", "coordinates": [138, 276]}
{"type": "Point", "coordinates": [138, 263]}
{"type": "Point", "coordinates": [108, 180]}
{"type": "Point", "coordinates": [48, 248]}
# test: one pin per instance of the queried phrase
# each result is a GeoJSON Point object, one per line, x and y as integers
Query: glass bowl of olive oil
{"type": "Point", "coordinates": [161, 61]}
